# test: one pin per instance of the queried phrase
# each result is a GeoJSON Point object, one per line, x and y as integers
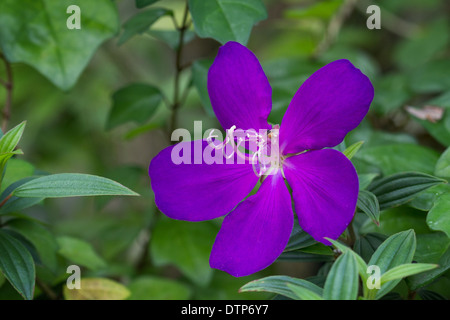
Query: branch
{"type": "Point", "coordinates": [178, 69]}
{"type": "Point", "coordinates": [8, 84]}
{"type": "Point", "coordinates": [335, 26]}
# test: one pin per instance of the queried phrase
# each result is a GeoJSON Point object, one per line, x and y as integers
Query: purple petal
{"type": "Point", "coordinates": [199, 191]}
{"type": "Point", "coordinates": [325, 190]}
{"type": "Point", "coordinates": [256, 232]}
{"type": "Point", "coordinates": [238, 88]}
{"type": "Point", "coordinates": [328, 105]}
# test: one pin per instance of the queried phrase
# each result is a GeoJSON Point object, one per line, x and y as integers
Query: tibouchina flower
{"type": "Point", "coordinates": [324, 183]}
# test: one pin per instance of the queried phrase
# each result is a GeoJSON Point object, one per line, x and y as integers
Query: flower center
{"type": "Point", "coordinates": [260, 149]}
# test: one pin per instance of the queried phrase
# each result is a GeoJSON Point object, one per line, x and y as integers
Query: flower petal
{"type": "Point", "coordinates": [325, 190]}
{"type": "Point", "coordinates": [256, 232]}
{"type": "Point", "coordinates": [238, 88]}
{"type": "Point", "coordinates": [199, 191]}
{"type": "Point", "coordinates": [328, 105]}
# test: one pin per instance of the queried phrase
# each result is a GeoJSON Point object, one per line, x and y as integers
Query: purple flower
{"type": "Point", "coordinates": [324, 183]}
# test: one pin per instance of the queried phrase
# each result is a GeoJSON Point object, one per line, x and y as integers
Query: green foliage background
{"type": "Point", "coordinates": [102, 103]}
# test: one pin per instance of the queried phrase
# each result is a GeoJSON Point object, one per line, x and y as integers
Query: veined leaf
{"type": "Point", "coordinates": [71, 185]}
{"type": "Point", "coordinates": [303, 293]}
{"type": "Point", "coordinates": [368, 203]}
{"type": "Point", "coordinates": [279, 285]}
{"type": "Point", "coordinates": [17, 265]}
{"type": "Point", "coordinates": [405, 270]}
{"type": "Point", "coordinates": [342, 279]}
{"type": "Point", "coordinates": [396, 250]}
{"type": "Point", "coordinates": [399, 188]}
{"type": "Point", "coordinates": [353, 149]}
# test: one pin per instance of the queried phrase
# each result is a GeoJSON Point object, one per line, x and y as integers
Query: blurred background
{"type": "Point", "coordinates": [407, 60]}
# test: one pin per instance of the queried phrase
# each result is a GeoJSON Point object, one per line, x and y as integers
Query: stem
{"type": "Point", "coordinates": [5, 200]}
{"type": "Point", "coordinates": [46, 289]}
{"type": "Point", "coordinates": [178, 69]}
{"type": "Point", "coordinates": [8, 84]}
{"type": "Point", "coordinates": [335, 26]}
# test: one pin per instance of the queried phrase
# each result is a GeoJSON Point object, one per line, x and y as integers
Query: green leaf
{"type": "Point", "coordinates": [172, 37]}
{"type": "Point", "coordinates": [80, 252]}
{"type": "Point", "coordinates": [14, 204]}
{"type": "Point", "coordinates": [365, 245]}
{"type": "Point", "coordinates": [71, 185]}
{"type": "Point", "coordinates": [342, 279]}
{"type": "Point", "coordinates": [136, 102]}
{"type": "Point", "coordinates": [226, 20]}
{"type": "Point", "coordinates": [396, 250]}
{"type": "Point", "coordinates": [16, 169]}
{"type": "Point", "coordinates": [353, 149]}
{"type": "Point", "coordinates": [43, 240]}
{"type": "Point", "coordinates": [362, 266]}
{"type": "Point", "coordinates": [10, 139]}
{"type": "Point", "coordinates": [299, 239]}
{"type": "Point", "coordinates": [141, 22]}
{"type": "Point", "coordinates": [423, 46]}
{"type": "Point", "coordinates": [279, 285]}
{"type": "Point", "coordinates": [368, 203]}
{"type": "Point", "coordinates": [439, 216]}
{"type": "Point", "coordinates": [155, 288]}
{"type": "Point", "coordinates": [405, 270]}
{"type": "Point", "coordinates": [97, 289]}
{"type": "Point", "coordinates": [443, 165]}
{"type": "Point", "coordinates": [143, 3]}
{"type": "Point", "coordinates": [35, 32]}
{"type": "Point", "coordinates": [397, 158]}
{"type": "Point", "coordinates": [186, 245]}
{"type": "Point", "coordinates": [17, 265]}
{"type": "Point", "coordinates": [425, 278]}
{"type": "Point", "coordinates": [365, 179]}
{"type": "Point", "coordinates": [303, 293]}
{"type": "Point", "coordinates": [430, 78]}
{"type": "Point", "coordinates": [200, 70]}
{"type": "Point", "coordinates": [399, 188]}
{"type": "Point", "coordinates": [397, 219]}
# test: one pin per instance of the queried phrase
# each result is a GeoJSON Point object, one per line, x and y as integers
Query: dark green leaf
{"type": "Point", "coordinates": [299, 239]}
{"type": "Point", "coordinates": [342, 280]}
{"type": "Point", "coordinates": [366, 245]}
{"type": "Point", "coordinates": [396, 250]}
{"type": "Point", "coordinates": [17, 265]}
{"type": "Point", "coordinates": [426, 278]}
{"type": "Point", "coordinates": [143, 3]}
{"type": "Point", "coordinates": [46, 44]}
{"type": "Point", "coordinates": [141, 22]}
{"type": "Point", "coordinates": [399, 188]}
{"type": "Point", "coordinates": [368, 203]}
{"type": "Point", "coordinates": [136, 102]}
{"type": "Point", "coordinates": [225, 20]}
{"type": "Point", "coordinates": [430, 295]}
{"type": "Point", "coordinates": [43, 240]}
{"type": "Point", "coordinates": [71, 185]}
